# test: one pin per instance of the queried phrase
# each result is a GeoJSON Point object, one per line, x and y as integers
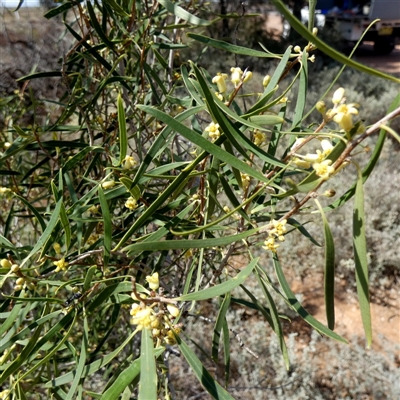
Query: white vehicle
{"type": "Point", "coordinates": [351, 19]}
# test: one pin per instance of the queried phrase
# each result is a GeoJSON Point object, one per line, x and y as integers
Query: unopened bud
{"type": "Point", "coordinates": [248, 76]}
{"type": "Point", "coordinates": [297, 49]}
{"type": "Point", "coordinates": [321, 107]}
{"type": "Point", "coordinates": [173, 310]}
{"type": "Point", "coordinates": [20, 281]}
{"type": "Point", "coordinates": [266, 80]}
{"type": "Point", "coordinates": [15, 268]}
{"type": "Point", "coordinates": [329, 193]}
{"type": "Point", "coordinates": [5, 263]}
{"type": "Point", "coordinates": [57, 248]}
{"type": "Point", "coordinates": [315, 31]}
{"type": "Point", "coordinates": [338, 96]}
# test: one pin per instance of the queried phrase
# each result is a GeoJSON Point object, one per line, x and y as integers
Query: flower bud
{"type": "Point", "coordinates": [297, 49]}
{"type": "Point", "coordinates": [108, 184]}
{"type": "Point", "coordinates": [173, 310]}
{"type": "Point", "coordinates": [57, 248]}
{"type": "Point", "coordinates": [315, 31]}
{"type": "Point", "coordinates": [321, 107]}
{"type": "Point", "coordinates": [266, 80]}
{"type": "Point", "coordinates": [248, 76]}
{"type": "Point", "coordinates": [5, 263]}
{"type": "Point", "coordinates": [329, 193]}
{"type": "Point", "coordinates": [20, 281]}
{"type": "Point", "coordinates": [338, 96]}
{"type": "Point", "coordinates": [15, 268]}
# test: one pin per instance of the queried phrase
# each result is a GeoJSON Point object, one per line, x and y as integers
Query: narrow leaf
{"type": "Point", "coordinates": [295, 304]}
{"type": "Point", "coordinates": [183, 14]}
{"type": "Point", "coordinates": [222, 288]}
{"type": "Point", "coordinates": [107, 225]}
{"type": "Point", "coordinates": [123, 141]}
{"type": "Point", "coordinates": [148, 371]}
{"type": "Point", "coordinates": [361, 261]}
{"type": "Point", "coordinates": [203, 376]}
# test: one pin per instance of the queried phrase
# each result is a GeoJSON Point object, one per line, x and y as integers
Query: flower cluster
{"type": "Point", "coordinates": [131, 203]}
{"type": "Point", "coordinates": [259, 138]}
{"type": "Point", "coordinates": [245, 180]}
{"type": "Point", "coordinates": [61, 265]}
{"type": "Point", "coordinates": [342, 113]}
{"type": "Point", "coordinates": [213, 131]}
{"type": "Point", "coordinates": [277, 231]}
{"type": "Point", "coordinates": [317, 160]}
{"type": "Point", "coordinates": [156, 316]}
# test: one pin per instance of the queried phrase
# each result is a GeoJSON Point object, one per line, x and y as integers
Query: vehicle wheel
{"type": "Point", "coordinates": [384, 46]}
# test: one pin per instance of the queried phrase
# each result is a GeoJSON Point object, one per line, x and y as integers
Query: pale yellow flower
{"type": "Point", "coordinates": [344, 114]}
{"type": "Point", "coordinates": [327, 147]}
{"type": "Point", "coordinates": [259, 138]}
{"type": "Point", "coordinates": [236, 75]}
{"type": "Point", "coordinates": [153, 281]}
{"type": "Point", "coordinates": [219, 95]}
{"type": "Point", "coordinates": [269, 244]}
{"type": "Point", "coordinates": [131, 203]}
{"type": "Point", "coordinates": [278, 230]}
{"type": "Point", "coordinates": [61, 265]}
{"type": "Point", "coordinates": [129, 162]}
{"type": "Point", "coordinates": [245, 180]}
{"type": "Point", "coordinates": [142, 317]}
{"type": "Point", "coordinates": [301, 163]}
{"type": "Point", "coordinates": [219, 79]}
{"type": "Point", "coordinates": [213, 131]}
{"type": "Point", "coordinates": [324, 169]}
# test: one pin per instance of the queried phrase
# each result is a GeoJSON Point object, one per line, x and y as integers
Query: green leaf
{"type": "Point", "coordinates": [276, 323]}
{"type": "Point", "coordinates": [148, 371]}
{"type": "Point", "coordinates": [329, 276]}
{"type": "Point", "coordinates": [231, 48]}
{"type": "Point", "coordinates": [126, 377]}
{"type": "Point", "coordinates": [295, 304]}
{"type": "Point", "coordinates": [59, 10]}
{"type": "Point", "coordinates": [203, 376]}
{"type": "Point", "coordinates": [107, 225]}
{"type": "Point", "coordinates": [222, 288]}
{"type": "Point", "coordinates": [204, 144]}
{"type": "Point", "coordinates": [48, 231]}
{"type": "Point", "coordinates": [95, 24]}
{"type": "Point", "coordinates": [81, 363]}
{"type": "Point", "coordinates": [302, 92]}
{"type": "Point", "coordinates": [361, 260]}
{"type": "Point", "coordinates": [40, 75]}
{"type": "Point", "coordinates": [183, 14]}
{"type": "Point", "coordinates": [187, 244]}
{"type": "Point", "coordinates": [218, 326]}
{"type": "Point", "coordinates": [123, 141]}
{"type": "Point", "coordinates": [303, 31]}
